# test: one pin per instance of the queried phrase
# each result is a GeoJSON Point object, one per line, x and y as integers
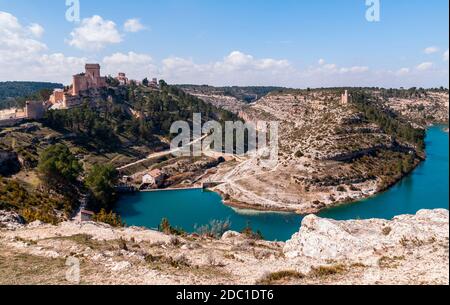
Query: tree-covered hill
{"type": "Point", "coordinates": [247, 94]}
{"type": "Point", "coordinates": [136, 113]}
{"type": "Point", "coordinates": [13, 93]}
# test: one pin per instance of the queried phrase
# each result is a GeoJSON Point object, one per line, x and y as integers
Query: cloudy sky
{"type": "Point", "coordinates": [292, 43]}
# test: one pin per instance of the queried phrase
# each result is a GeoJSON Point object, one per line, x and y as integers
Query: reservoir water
{"type": "Point", "coordinates": [426, 188]}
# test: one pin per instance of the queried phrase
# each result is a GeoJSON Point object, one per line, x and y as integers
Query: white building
{"type": "Point", "coordinates": [153, 178]}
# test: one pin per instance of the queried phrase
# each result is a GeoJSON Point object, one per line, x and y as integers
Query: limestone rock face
{"type": "Point", "coordinates": [10, 220]}
{"type": "Point", "coordinates": [324, 239]}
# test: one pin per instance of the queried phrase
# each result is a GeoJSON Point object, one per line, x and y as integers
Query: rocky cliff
{"type": "Point", "coordinates": [410, 249]}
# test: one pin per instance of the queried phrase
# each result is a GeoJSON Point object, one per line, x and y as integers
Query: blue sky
{"type": "Point", "coordinates": [241, 42]}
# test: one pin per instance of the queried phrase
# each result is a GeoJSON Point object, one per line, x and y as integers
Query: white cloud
{"type": "Point", "coordinates": [354, 69]}
{"type": "Point", "coordinates": [23, 56]}
{"type": "Point", "coordinates": [94, 34]}
{"type": "Point", "coordinates": [16, 41]}
{"type": "Point", "coordinates": [431, 50]}
{"type": "Point", "coordinates": [136, 66]}
{"type": "Point", "coordinates": [36, 29]}
{"type": "Point", "coordinates": [402, 71]}
{"type": "Point", "coordinates": [235, 68]}
{"type": "Point", "coordinates": [133, 25]}
{"type": "Point", "coordinates": [424, 66]}
{"type": "Point", "coordinates": [130, 58]}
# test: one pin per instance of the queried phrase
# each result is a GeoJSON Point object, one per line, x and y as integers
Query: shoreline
{"type": "Point", "coordinates": [260, 208]}
{"type": "Point", "coordinates": [274, 209]}
{"type": "Point", "coordinates": [337, 204]}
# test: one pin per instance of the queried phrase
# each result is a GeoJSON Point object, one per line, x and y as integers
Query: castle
{"type": "Point", "coordinates": [69, 97]}
{"type": "Point", "coordinates": [90, 79]}
{"type": "Point", "coordinates": [346, 98]}
{"type": "Point", "coordinates": [33, 110]}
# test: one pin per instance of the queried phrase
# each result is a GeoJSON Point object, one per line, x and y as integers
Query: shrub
{"type": "Point", "coordinates": [341, 189]}
{"type": "Point", "coordinates": [166, 228]}
{"type": "Point", "coordinates": [387, 230]}
{"type": "Point", "coordinates": [323, 271]}
{"type": "Point", "coordinates": [215, 229]}
{"type": "Point", "coordinates": [109, 218]}
{"type": "Point", "coordinates": [249, 233]}
{"type": "Point", "coordinates": [273, 278]}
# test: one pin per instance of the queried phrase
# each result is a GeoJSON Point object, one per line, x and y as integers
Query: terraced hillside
{"type": "Point", "coordinates": [330, 152]}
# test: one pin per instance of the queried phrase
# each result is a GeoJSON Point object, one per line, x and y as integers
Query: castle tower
{"type": "Point", "coordinates": [346, 98]}
{"type": "Point", "coordinates": [91, 79]}
{"type": "Point", "coordinates": [92, 71]}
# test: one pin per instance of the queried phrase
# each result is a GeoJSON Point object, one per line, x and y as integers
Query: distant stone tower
{"type": "Point", "coordinates": [346, 98]}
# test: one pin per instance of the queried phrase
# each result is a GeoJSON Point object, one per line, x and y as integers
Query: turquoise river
{"type": "Point", "coordinates": [426, 188]}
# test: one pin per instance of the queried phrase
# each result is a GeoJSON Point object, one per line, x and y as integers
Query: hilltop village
{"type": "Point", "coordinates": [83, 85]}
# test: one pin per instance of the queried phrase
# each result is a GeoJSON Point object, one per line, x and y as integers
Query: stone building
{"type": "Point", "coordinates": [90, 79]}
{"type": "Point", "coordinates": [153, 178]}
{"type": "Point", "coordinates": [346, 98]}
{"type": "Point", "coordinates": [34, 110]}
{"type": "Point", "coordinates": [57, 96]}
{"type": "Point", "coordinates": [122, 78]}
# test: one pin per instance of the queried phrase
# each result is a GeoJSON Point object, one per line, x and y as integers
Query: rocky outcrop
{"type": "Point", "coordinates": [11, 220]}
{"type": "Point", "coordinates": [407, 250]}
{"type": "Point", "coordinates": [325, 239]}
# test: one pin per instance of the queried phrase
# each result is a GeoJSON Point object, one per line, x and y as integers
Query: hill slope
{"type": "Point", "coordinates": [330, 153]}
{"type": "Point", "coordinates": [9, 91]}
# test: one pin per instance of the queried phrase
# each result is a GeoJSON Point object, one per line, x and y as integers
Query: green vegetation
{"type": "Point", "coordinates": [413, 92]}
{"type": "Point", "coordinates": [158, 260]}
{"type": "Point", "coordinates": [388, 121]}
{"type": "Point", "coordinates": [14, 94]}
{"type": "Point", "coordinates": [166, 228]}
{"type": "Point", "coordinates": [215, 229]}
{"type": "Point", "coordinates": [395, 166]}
{"type": "Point", "coordinates": [101, 180]}
{"type": "Point", "coordinates": [58, 166]}
{"type": "Point", "coordinates": [132, 113]}
{"type": "Point", "coordinates": [87, 123]}
{"type": "Point", "coordinates": [110, 218]}
{"type": "Point", "coordinates": [32, 205]}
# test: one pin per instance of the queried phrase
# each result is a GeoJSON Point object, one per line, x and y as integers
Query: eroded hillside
{"type": "Point", "coordinates": [330, 153]}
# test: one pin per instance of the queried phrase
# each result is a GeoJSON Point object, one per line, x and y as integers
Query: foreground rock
{"type": "Point", "coordinates": [10, 220]}
{"type": "Point", "coordinates": [406, 250]}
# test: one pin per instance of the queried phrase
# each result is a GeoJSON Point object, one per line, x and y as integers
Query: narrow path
{"type": "Point", "coordinates": [161, 154]}
{"type": "Point", "coordinates": [84, 199]}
